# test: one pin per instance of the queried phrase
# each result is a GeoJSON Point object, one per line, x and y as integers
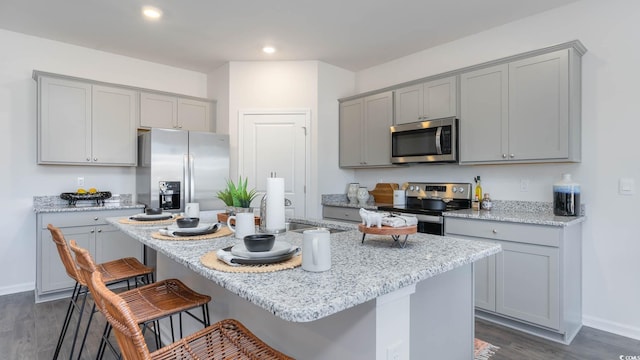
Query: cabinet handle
{"type": "Point", "coordinates": [504, 156]}
{"type": "Point", "coordinates": [100, 230]}
{"type": "Point", "coordinates": [93, 230]}
{"type": "Point", "coordinates": [95, 159]}
{"type": "Point", "coordinates": [495, 231]}
{"type": "Point", "coordinates": [346, 215]}
{"type": "Point", "coordinates": [88, 159]}
{"type": "Point", "coordinates": [95, 218]}
{"type": "Point", "coordinates": [512, 156]}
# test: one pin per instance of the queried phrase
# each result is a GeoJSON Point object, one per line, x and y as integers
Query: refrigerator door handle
{"type": "Point", "coordinates": [185, 180]}
{"type": "Point", "coordinates": [192, 179]}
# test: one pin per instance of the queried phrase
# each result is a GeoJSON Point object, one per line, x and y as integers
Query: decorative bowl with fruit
{"type": "Point", "coordinates": [81, 194]}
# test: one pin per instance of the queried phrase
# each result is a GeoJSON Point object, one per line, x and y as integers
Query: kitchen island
{"type": "Point", "coordinates": [378, 301]}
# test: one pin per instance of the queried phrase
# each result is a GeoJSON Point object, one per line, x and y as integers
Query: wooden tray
{"type": "Point", "coordinates": [222, 217]}
{"type": "Point", "coordinates": [394, 232]}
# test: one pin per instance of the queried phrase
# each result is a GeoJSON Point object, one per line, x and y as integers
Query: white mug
{"type": "Point", "coordinates": [316, 250]}
{"type": "Point", "coordinates": [192, 210]}
{"type": "Point", "coordinates": [245, 224]}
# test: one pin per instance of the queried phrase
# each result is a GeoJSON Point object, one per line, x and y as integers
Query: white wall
{"type": "Point", "coordinates": [610, 145]}
{"type": "Point", "coordinates": [21, 178]}
{"type": "Point", "coordinates": [288, 85]}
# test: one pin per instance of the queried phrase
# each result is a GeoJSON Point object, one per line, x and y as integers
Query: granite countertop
{"type": "Point", "coordinates": [54, 204]}
{"type": "Point", "coordinates": [359, 272]}
{"type": "Point", "coordinates": [525, 212]}
{"type": "Point", "coordinates": [341, 200]}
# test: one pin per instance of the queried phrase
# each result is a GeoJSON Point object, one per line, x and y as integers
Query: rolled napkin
{"type": "Point", "coordinates": [226, 256]}
{"type": "Point", "coordinates": [399, 220]}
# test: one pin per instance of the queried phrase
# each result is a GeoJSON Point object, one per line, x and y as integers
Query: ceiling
{"type": "Point", "coordinates": [202, 35]}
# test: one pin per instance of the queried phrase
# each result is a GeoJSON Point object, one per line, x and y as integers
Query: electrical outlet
{"type": "Point", "coordinates": [524, 185]}
{"type": "Point", "coordinates": [80, 181]}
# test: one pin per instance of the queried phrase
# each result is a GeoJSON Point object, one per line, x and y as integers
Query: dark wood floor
{"type": "Point", "coordinates": [30, 331]}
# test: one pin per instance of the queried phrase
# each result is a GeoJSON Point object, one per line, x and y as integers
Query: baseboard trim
{"type": "Point", "coordinates": [14, 289]}
{"type": "Point", "coordinates": [612, 327]}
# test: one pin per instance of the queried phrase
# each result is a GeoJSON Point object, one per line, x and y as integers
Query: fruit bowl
{"type": "Point", "coordinates": [98, 197]}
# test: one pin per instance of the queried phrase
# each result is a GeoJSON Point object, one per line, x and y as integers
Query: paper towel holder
{"type": "Point", "coordinates": [262, 228]}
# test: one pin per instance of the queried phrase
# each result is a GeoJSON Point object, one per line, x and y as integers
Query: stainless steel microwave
{"type": "Point", "coordinates": [430, 141]}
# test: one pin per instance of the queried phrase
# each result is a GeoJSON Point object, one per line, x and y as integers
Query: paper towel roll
{"type": "Point", "coordinates": [275, 204]}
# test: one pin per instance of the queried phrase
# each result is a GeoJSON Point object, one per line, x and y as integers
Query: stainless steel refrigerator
{"type": "Point", "coordinates": [177, 167]}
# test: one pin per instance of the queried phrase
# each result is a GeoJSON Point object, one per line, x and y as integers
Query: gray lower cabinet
{"type": "Point", "coordinates": [365, 135]}
{"type": "Point", "coordinates": [341, 213]}
{"type": "Point", "coordinates": [534, 284]}
{"type": "Point", "coordinates": [91, 231]}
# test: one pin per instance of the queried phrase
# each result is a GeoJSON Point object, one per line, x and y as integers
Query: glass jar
{"type": "Point", "coordinates": [486, 204]}
{"type": "Point", "coordinates": [566, 197]}
{"type": "Point", "coordinates": [352, 192]}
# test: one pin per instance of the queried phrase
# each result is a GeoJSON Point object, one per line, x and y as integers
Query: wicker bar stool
{"type": "Point", "coordinates": [149, 303]}
{"type": "Point", "coordinates": [116, 271]}
{"type": "Point", "coordinates": [226, 339]}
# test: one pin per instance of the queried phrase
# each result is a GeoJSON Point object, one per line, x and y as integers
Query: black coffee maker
{"type": "Point", "coordinates": [169, 195]}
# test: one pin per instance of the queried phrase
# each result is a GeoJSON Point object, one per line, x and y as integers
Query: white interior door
{"type": "Point", "coordinates": [276, 142]}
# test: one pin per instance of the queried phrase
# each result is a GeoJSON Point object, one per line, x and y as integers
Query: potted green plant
{"type": "Point", "coordinates": [236, 196]}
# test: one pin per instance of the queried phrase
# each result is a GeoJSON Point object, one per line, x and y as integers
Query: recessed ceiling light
{"type": "Point", "coordinates": [269, 49]}
{"type": "Point", "coordinates": [152, 12]}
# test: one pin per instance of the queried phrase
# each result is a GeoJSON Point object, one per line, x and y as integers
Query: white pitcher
{"type": "Point", "coordinates": [316, 250]}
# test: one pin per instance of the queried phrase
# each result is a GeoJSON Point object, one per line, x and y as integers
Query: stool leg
{"type": "Point", "coordinates": [75, 333]}
{"type": "Point", "coordinates": [86, 332]}
{"type": "Point", "coordinates": [67, 319]}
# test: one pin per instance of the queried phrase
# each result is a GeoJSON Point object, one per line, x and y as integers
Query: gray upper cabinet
{"type": "Point", "coordinates": [174, 112]}
{"type": "Point", "coordinates": [365, 139]}
{"type": "Point", "coordinates": [522, 111]}
{"type": "Point", "coordinates": [81, 123]}
{"type": "Point", "coordinates": [431, 100]}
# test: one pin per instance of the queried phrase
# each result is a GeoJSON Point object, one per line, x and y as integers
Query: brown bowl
{"type": "Point", "coordinates": [187, 222]}
{"type": "Point", "coordinates": [259, 242]}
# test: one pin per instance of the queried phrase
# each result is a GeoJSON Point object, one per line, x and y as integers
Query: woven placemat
{"type": "Point", "coordinates": [211, 261]}
{"type": "Point", "coordinates": [129, 221]}
{"type": "Point", "coordinates": [225, 231]}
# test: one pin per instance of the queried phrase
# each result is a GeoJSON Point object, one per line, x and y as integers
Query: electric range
{"type": "Point", "coordinates": [425, 201]}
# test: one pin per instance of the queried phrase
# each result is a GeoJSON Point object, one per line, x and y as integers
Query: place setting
{"type": "Point", "coordinates": [151, 216]}
{"type": "Point", "coordinates": [189, 228]}
{"type": "Point", "coordinates": [255, 253]}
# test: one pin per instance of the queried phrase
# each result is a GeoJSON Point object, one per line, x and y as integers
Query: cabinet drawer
{"type": "Point", "coordinates": [524, 233]}
{"type": "Point", "coordinates": [84, 218]}
{"type": "Point", "coordinates": [341, 213]}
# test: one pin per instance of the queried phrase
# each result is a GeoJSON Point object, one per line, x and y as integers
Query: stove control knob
{"type": "Point", "coordinates": [455, 189]}
{"type": "Point", "coordinates": [412, 188]}
{"type": "Point", "coordinates": [460, 189]}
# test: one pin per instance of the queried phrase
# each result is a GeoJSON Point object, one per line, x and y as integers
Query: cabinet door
{"type": "Point", "coordinates": [350, 133]}
{"type": "Point", "coordinates": [114, 114]}
{"type": "Point", "coordinates": [527, 288]}
{"type": "Point", "coordinates": [378, 118]}
{"type": "Point", "coordinates": [484, 115]}
{"type": "Point", "coordinates": [112, 244]}
{"type": "Point", "coordinates": [158, 111]}
{"type": "Point", "coordinates": [194, 115]}
{"type": "Point", "coordinates": [408, 104]}
{"type": "Point", "coordinates": [485, 283]}
{"type": "Point", "coordinates": [439, 98]}
{"type": "Point", "coordinates": [64, 115]}
{"type": "Point", "coordinates": [51, 271]}
{"type": "Point", "coordinates": [539, 107]}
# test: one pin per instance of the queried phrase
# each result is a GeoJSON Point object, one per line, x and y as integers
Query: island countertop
{"type": "Point", "coordinates": [359, 272]}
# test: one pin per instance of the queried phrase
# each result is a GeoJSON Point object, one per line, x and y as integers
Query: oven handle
{"type": "Point", "coordinates": [438, 141]}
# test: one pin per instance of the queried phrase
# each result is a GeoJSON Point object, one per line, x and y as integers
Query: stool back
{"type": "Point", "coordinates": [65, 254]}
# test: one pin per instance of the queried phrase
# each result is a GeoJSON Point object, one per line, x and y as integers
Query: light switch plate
{"type": "Point", "coordinates": [626, 186]}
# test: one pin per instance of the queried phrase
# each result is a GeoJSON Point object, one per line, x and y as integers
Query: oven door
{"type": "Point", "coordinates": [427, 141]}
{"type": "Point", "coordinates": [430, 224]}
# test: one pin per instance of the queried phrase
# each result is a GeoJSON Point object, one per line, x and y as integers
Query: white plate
{"type": "Point", "coordinates": [201, 227]}
{"type": "Point", "coordinates": [150, 217]}
{"type": "Point", "coordinates": [279, 248]}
